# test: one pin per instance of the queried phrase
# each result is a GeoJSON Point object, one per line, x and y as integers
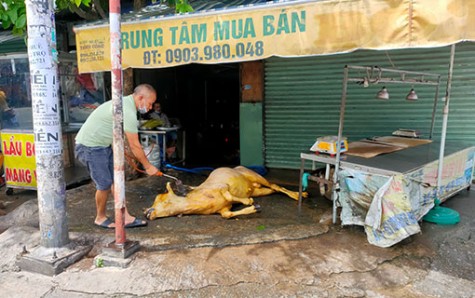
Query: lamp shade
{"type": "Point", "coordinates": [412, 95]}
{"type": "Point", "coordinates": [383, 94]}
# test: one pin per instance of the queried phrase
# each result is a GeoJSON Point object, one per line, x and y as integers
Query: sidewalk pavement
{"type": "Point", "coordinates": [275, 253]}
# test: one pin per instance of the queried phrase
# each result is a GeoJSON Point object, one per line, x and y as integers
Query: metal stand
{"type": "Point", "coordinates": [51, 261]}
{"type": "Point", "coordinates": [117, 255]}
{"type": "Point", "coordinates": [376, 75]}
{"type": "Point", "coordinates": [444, 215]}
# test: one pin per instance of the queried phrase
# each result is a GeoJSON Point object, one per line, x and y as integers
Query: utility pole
{"type": "Point", "coordinates": [43, 60]}
{"type": "Point", "coordinates": [56, 251]}
{"type": "Point", "coordinates": [118, 121]}
{"type": "Point", "coordinates": [116, 253]}
{"type": "Point", "coordinates": [121, 248]}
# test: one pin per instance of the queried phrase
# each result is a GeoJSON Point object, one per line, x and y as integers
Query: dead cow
{"type": "Point", "coordinates": [217, 194]}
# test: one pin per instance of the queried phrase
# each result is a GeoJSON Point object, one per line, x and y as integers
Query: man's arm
{"type": "Point", "coordinates": [139, 154]}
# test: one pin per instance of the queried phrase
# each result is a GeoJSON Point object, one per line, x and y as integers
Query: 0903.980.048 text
{"type": "Point", "coordinates": [207, 53]}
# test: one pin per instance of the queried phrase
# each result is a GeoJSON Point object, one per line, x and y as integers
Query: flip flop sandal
{"type": "Point", "coordinates": [105, 224]}
{"type": "Point", "coordinates": [136, 223]}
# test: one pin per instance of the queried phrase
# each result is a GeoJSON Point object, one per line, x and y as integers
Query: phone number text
{"type": "Point", "coordinates": [216, 52]}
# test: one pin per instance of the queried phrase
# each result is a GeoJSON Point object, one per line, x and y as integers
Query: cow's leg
{"type": "Point", "coordinates": [226, 213]}
{"type": "Point", "coordinates": [260, 192]}
{"type": "Point", "coordinates": [292, 194]}
{"type": "Point", "coordinates": [257, 180]}
{"type": "Point", "coordinates": [228, 196]}
{"type": "Point", "coordinates": [270, 188]}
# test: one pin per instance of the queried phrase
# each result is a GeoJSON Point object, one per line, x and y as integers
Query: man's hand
{"type": "Point", "coordinates": [151, 170]}
{"type": "Point", "coordinates": [139, 154]}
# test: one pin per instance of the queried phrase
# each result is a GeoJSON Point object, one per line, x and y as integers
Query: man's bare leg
{"type": "Point", "coordinates": [127, 217]}
{"type": "Point", "coordinates": [101, 201]}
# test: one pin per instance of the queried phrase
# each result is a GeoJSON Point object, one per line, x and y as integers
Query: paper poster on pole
{"type": "Point", "coordinates": [46, 112]}
{"type": "Point", "coordinates": [38, 52]}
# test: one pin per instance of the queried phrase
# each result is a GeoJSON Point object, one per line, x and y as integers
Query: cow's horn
{"type": "Point", "coordinates": [169, 188]}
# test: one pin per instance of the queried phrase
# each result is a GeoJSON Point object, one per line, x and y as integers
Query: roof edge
{"type": "Point", "coordinates": [210, 12]}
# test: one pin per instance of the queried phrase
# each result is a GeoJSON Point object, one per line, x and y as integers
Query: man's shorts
{"type": "Point", "coordinates": [99, 162]}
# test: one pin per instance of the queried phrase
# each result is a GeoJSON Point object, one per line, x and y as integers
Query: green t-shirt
{"type": "Point", "coordinates": [97, 130]}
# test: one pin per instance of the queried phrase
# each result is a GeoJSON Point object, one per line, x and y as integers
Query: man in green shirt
{"type": "Point", "coordinates": [93, 149]}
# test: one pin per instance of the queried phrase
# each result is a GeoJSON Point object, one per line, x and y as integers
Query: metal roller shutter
{"type": "Point", "coordinates": [11, 43]}
{"type": "Point", "coordinates": [302, 99]}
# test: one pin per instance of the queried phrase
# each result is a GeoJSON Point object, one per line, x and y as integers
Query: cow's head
{"type": "Point", "coordinates": [166, 204]}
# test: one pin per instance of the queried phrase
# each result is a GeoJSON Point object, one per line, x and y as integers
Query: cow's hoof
{"type": "Point", "coordinates": [258, 207]}
{"type": "Point", "coordinates": [148, 212]}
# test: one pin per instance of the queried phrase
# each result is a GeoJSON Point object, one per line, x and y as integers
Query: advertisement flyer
{"type": "Point", "coordinates": [19, 159]}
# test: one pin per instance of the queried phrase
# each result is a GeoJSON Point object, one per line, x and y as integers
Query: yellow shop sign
{"type": "Point", "coordinates": [19, 159]}
{"type": "Point", "coordinates": [299, 28]}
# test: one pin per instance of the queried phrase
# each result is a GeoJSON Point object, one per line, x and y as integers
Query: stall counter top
{"type": "Point", "coordinates": [402, 161]}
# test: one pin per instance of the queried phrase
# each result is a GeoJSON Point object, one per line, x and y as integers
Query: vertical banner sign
{"type": "Point", "coordinates": [43, 59]}
{"type": "Point", "coordinates": [19, 163]}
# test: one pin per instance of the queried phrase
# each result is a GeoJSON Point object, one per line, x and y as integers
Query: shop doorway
{"type": "Point", "coordinates": [205, 100]}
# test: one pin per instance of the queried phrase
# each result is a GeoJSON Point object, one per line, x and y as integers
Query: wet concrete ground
{"type": "Point", "coordinates": [279, 217]}
{"type": "Point", "coordinates": [275, 253]}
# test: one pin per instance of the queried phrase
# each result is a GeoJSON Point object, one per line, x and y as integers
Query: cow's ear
{"type": "Point", "coordinates": [169, 188]}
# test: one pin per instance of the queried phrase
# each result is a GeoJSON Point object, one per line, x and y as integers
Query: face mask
{"type": "Point", "coordinates": [142, 110]}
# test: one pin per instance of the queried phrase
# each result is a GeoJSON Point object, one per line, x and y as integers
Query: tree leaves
{"type": "Point", "coordinates": [10, 11]}
{"type": "Point", "coordinates": [6, 23]}
{"type": "Point", "coordinates": [13, 12]}
{"type": "Point", "coordinates": [181, 6]}
{"type": "Point", "coordinates": [21, 21]}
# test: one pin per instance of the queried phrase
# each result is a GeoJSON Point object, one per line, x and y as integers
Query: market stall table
{"type": "Point", "coordinates": [389, 196]}
{"type": "Point", "coordinates": [395, 189]}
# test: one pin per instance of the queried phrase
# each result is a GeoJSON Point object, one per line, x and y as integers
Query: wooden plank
{"type": "Point", "coordinates": [380, 145]}
{"type": "Point", "coordinates": [368, 149]}
{"type": "Point", "coordinates": [252, 81]}
{"type": "Point", "coordinates": [401, 141]}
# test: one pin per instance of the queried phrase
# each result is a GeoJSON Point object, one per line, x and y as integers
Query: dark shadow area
{"type": "Point", "coordinates": [205, 99]}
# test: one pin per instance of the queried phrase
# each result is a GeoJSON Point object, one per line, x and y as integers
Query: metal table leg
{"type": "Point", "coordinates": [164, 147]}
{"type": "Point", "coordinates": [302, 165]}
{"type": "Point", "coordinates": [335, 191]}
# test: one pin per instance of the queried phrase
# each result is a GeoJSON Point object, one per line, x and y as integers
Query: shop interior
{"type": "Point", "coordinates": [204, 101]}
{"type": "Point", "coordinates": [15, 103]}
